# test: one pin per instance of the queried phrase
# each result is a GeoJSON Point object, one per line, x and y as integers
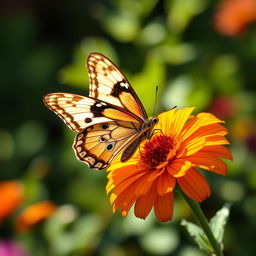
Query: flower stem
{"type": "Point", "coordinates": [199, 215]}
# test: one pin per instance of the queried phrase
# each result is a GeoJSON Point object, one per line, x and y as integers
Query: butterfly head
{"type": "Point", "coordinates": [153, 120]}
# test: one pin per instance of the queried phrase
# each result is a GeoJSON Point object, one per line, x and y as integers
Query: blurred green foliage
{"type": "Point", "coordinates": [170, 44]}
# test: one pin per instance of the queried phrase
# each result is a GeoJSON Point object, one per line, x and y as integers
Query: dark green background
{"type": "Point", "coordinates": [170, 44]}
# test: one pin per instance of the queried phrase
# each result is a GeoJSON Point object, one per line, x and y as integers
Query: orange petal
{"type": "Point", "coordinates": [11, 194]}
{"type": "Point", "coordinates": [208, 162]}
{"type": "Point", "coordinates": [146, 182]}
{"type": "Point", "coordinates": [145, 203]}
{"type": "Point", "coordinates": [119, 188]}
{"type": "Point", "coordinates": [216, 140]}
{"type": "Point", "coordinates": [121, 174]}
{"type": "Point", "coordinates": [164, 207]}
{"type": "Point", "coordinates": [165, 183]}
{"type": "Point", "coordinates": [125, 200]}
{"type": "Point", "coordinates": [179, 167]}
{"type": "Point", "coordinates": [218, 151]}
{"type": "Point", "coordinates": [180, 118]}
{"type": "Point", "coordinates": [116, 163]}
{"type": "Point", "coordinates": [202, 119]}
{"type": "Point", "coordinates": [164, 121]}
{"type": "Point", "coordinates": [208, 130]}
{"type": "Point", "coordinates": [190, 147]}
{"type": "Point", "coordinates": [194, 185]}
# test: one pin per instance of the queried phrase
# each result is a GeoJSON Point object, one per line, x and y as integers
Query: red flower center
{"type": "Point", "coordinates": [155, 151]}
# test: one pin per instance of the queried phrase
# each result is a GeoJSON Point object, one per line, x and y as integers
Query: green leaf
{"type": "Point", "coordinates": [198, 235]}
{"type": "Point", "coordinates": [218, 222]}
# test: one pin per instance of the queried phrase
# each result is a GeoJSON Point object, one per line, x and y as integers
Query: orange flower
{"type": "Point", "coordinates": [233, 16]}
{"type": "Point", "coordinates": [11, 196]}
{"type": "Point", "coordinates": [35, 214]}
{"type": "Point", "coordinates": [180, 143]}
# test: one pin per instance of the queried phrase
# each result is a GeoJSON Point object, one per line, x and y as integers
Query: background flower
{"type": "Point", "coordinates": [11, 193]}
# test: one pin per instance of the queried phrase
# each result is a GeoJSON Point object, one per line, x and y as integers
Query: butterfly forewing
{"type": "Point", "coordinates": [107, 83]}
{"type": "Point", "coordinates": [80, 112]}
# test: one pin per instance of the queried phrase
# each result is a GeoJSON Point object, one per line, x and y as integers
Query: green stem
{"type": "Point", "coordinates": [199, 215]}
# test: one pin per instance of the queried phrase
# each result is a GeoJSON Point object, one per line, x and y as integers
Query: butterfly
{"type": "Point", "coordinates": [111, 121]}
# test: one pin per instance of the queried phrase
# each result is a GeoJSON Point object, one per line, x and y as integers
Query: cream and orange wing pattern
{"type": "Point", "coordinates": [107, 83]}
{"type": "Point", "coordinates": [98, 144]}
{"type": "Point", "coordinates": [80, 112]}
{"type": "Point", "coordinates": [110, 121]}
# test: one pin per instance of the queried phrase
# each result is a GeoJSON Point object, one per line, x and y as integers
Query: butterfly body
{"type": "Point", "coordinates": [110, 121]}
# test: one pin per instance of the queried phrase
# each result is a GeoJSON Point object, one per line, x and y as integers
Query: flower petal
{"type": "Point", "coordinates": [145, 203]}
{"type": "Point", "coordinates": [164, 121]}
{"type": "Point", "coordinates": [179, 167]}
{"type": "Point", "coordinates": [194, 185]}
{"type": "Point", "coordinates": [208, 130]}
{"type": "Point", "coordinates": [216, 140]}
{"type": "Point", "coordinates": [180, 118]}
{"type": "Point", "coordinates": [118, 176]}
{"type": "Point", "coordinates": [165, 183]}
{"type": "Point", "coordinates": [218, 151]}
{"type": "Point", "coordinates": [202, 119]}
{"type": "Point", "coordinates": [190, 147]}
{"type": "Point", "coordinates": [208, 162]}
{"type": "Point", "coordinates": [164, 207]}
{"type": "Point", "coordinates": [116, 163]}
{"type": "Point", "coordinates": [119, 188]}
{"type": "Point", "coordinates": [172, 121]}
{"type": "Point", "coordinates": [125, 200]}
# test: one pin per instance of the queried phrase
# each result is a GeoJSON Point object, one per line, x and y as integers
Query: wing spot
{"type": "Point", "coordinates": [104, 126]}
{"type": "Point", "coordinates": [82, 154]}
{"type": "Point", "coordinates": [79, 143]}
{"type": "Point", "coordinates": [98, 105]}
{"type": "Point", "coordinates": [88, 120]}
{"type": "Point", "coordinates": [80, 136]}
{"type": "Point", "coordinates": [90, 160]}
{"type": "Point", "coordinates": [110, 146]}
{"type": "Point", "coordinates": [79, 149]}
{"type": "Point", "coordinates": [124, 85]}
{"type": "Point", "coordinates": [104, 138]}
{"type": "Point", "coordinates": [98, 165]}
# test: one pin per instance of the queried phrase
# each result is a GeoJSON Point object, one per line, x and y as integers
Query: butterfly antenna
{"type": "Point", "coordinates": [155, 100]}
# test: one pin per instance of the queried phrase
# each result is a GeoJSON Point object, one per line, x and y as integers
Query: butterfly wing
{"type": "Point", "coordinates": [80, 112]}
{"type": "Point", "coordinates": [112, 104]}
{"type": "Point", "coordinates": [107, 83]}
{"type": "Point", "coordinates": [98, 144]}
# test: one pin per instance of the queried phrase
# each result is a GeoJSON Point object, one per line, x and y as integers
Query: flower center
{"type": "Point", "coordinates": [155, 152]}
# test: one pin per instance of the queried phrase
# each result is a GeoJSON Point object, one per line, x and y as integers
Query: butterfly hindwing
{"type": "Point", "coordinates": [98, 144]}
{"type": "Point", "coordinates": [107, 83]}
